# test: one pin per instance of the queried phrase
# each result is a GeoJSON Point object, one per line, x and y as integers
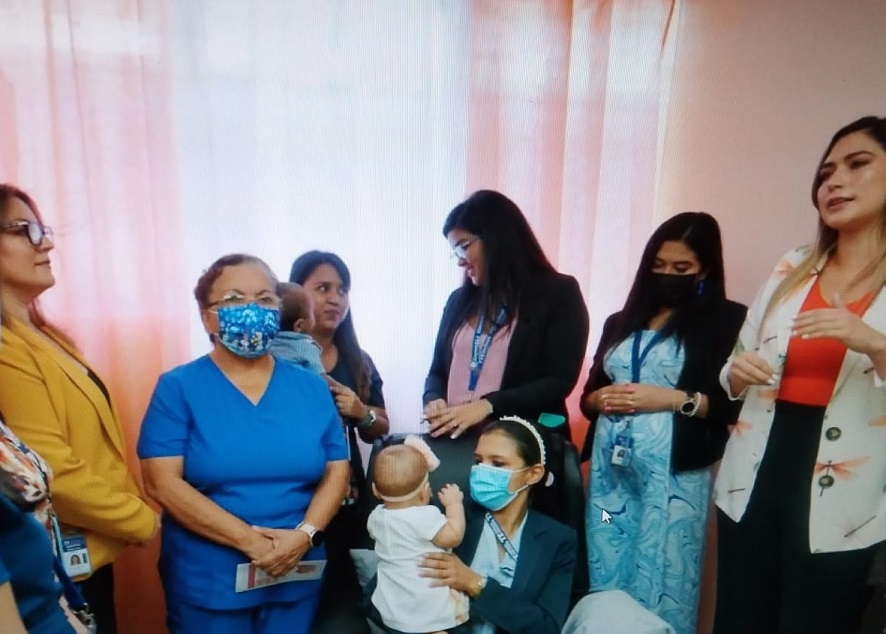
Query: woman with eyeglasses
{"type": "Point", "coordinates": [356, 386]}
{"type": "Point", "coordinates": [53, 400]}
{"type": "Point", "coordinates": [245, 454]}
{"type": "Point", "coordinates": [511, 341]}
{"type": "Point", "coordinates": [513, 337]}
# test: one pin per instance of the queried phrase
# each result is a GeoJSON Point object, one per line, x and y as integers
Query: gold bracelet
{"type": "Point", "coordinates": [478, 587]}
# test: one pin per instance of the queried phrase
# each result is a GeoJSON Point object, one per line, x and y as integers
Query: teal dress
{"type": "Point", "coordinates": [654, 545]}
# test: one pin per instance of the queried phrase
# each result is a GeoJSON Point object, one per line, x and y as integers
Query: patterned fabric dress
{"type": "Point", "coordinates": [653, 546]}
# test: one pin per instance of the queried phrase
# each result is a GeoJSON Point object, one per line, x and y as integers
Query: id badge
{"type": "Point", "coordinates": [622, 450]}
{"type": "Point", "coordinates": [75, 555]}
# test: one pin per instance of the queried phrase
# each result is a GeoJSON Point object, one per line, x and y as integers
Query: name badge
{"type": "Point", "coordinates": [249, 577]}
{"type": "Point", "coordinates": [622, 451]}
{"type": "Point", "coordinates": [75, 555]}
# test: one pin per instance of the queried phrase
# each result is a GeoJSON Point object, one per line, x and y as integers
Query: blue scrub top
{"type": "Point", "coordinates": [260, 462]}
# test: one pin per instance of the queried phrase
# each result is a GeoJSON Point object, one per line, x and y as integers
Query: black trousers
{"type": "Point", "coordinates": [768, 581]}
{"type": "Point", "coordinates": [98, 591]}
{"type": "Point", "coordinates": [340, 608]}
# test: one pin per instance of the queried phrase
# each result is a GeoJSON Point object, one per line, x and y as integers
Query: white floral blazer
{"type": "Point", "coordinates": [848, 486]}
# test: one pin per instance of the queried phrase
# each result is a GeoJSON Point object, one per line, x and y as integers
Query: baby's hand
{"type": "Point", "coordinates": [450, 494]}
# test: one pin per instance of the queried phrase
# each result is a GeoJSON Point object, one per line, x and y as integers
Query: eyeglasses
{"type": "Point", "coordinates": [236, 299]}
{"type": "Point", "coordinates": [33, 230]}
{"type": "Point", "coordinates": [460, 250]}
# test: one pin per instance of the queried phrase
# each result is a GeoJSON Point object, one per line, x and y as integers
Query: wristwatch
{"type": "Point", "coordinates": [315, 535]}
{"type": "Point", "coordinates": [689, 407]}
{"type": "Point", "coordinates": [369, 419]}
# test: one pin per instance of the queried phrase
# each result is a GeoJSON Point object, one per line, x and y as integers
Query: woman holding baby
{"type": "Point", "coordinates": [356, 386]}
{"type": "Point", "coordinates": [515, 564]}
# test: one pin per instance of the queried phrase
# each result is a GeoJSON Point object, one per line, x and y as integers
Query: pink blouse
{"type": "Point", "coordinates": [493, 367]}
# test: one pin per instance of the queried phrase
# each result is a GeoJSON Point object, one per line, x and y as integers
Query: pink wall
{"type": "Point", "coordinates": [759, 87]}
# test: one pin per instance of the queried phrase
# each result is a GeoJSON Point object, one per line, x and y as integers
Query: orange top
{"type": "Point", "coordinates": [812, 365]}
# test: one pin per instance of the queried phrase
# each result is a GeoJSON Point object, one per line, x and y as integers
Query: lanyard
{"type": "Point", "coordinates": [638, 356]}
{"type": "Point", "coordinates": [501, 537]}
{"type": "Point", "coordinates": [480, 350]}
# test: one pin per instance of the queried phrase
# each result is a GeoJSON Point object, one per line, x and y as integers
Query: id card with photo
{"type": "Point", "coordinates": [75, 555]}
{"type": "Point", "coordinates": [249, 577]}
{"type": "Point", "coordinates": [622, 451]}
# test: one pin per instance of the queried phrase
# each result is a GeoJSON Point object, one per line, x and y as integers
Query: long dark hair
{"type": "Point", "coordinates": [345, 337]}
{"type": "Point", "coordinates": [511, 252]}
{"type": "Point", "coordinates": [701, 233]}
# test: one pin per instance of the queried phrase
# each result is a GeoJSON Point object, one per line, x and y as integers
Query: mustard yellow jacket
{"type": "Point", "coordinates": [58, 410]}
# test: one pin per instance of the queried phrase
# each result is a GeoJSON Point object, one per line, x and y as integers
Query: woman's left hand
{"type": "Point", "coordinates": [628, 398]}
{"type": "Point", "coordinates": [289, 547]}
{"type": "Point", "coordinates": [446, 569]}
{"type": "Point", "coordinates": [347, 401]}
{"type": "Point", "coordinates": [836, 323]}
{"type": "Point", "coordinates": [457, 419]}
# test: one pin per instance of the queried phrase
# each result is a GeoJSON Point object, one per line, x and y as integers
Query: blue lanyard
{"type": "Point", "coordinates": [501, 537]}
{"type": "Point", "coordinates": [638, 357]}
{"type": "Point", "coordinates": [480, 350]}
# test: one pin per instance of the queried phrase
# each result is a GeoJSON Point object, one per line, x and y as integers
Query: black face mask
{"type": "Point", "coordinates": [670, 290]}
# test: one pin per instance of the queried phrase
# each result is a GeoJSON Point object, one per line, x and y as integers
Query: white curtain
{"type": "Point", "coordinates": [158, 135]}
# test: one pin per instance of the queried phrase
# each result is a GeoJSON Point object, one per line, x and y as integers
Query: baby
{"type": "Point", "coordinates": [405, 528]}
{"type": "Point", "coordinates": [293, 343]}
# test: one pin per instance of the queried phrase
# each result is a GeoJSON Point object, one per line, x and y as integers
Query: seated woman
{"type": "Point", "coordinates": [247, 479]}
{"type": "Point", "coordinates": [58, 405]}
{"type": "Point", "coordinates": [660, 420]}
{"type": "Point", "coordinates": [515, 564]}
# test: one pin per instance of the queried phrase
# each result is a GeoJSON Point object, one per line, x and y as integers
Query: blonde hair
{"type": "Point", "coordinates": [826, 242]}
{"type": "Point", "coordinates": [399, 470]}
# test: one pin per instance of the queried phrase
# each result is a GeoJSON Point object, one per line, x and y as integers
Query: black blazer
{"type": "Point", "coordinates": [538, 600]}
{"type": "Point", "coordinates": [545, 354]}
{"type": "Point", "coordinates": [698, 442]}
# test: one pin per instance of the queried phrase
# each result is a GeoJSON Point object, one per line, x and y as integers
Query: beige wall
{"type": "Point", "coordinates": [759, 88]}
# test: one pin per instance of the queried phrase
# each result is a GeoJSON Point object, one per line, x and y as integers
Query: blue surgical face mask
{"type": "Point", "coordinates": [489, 486]}
{"type": "Point", "coordinates": [247, 330]}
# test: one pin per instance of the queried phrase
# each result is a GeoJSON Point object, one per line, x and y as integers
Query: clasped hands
{"type": "Point", "coordinates": [456, 419]}
{"type": "Point", "coordinates": [276, 550]}
{"type": "Point", "coordinates": [630, 398]}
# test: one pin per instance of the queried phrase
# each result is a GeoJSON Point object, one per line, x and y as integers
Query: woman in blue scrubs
{"type": "Point", "coordinates": [245, 453]}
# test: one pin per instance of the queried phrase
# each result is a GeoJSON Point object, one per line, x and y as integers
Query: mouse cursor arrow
{"type": "Point", "coordinates": [605, 517]}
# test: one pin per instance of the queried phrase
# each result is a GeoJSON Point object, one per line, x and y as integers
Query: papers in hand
{"type": "Point", "coordinates": [249, 577]}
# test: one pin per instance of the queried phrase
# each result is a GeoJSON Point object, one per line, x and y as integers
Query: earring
{"type": "Point", "coordinates": [700, 287]}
